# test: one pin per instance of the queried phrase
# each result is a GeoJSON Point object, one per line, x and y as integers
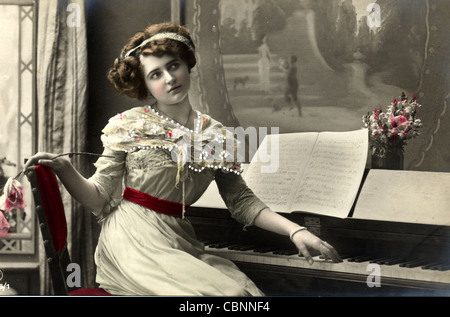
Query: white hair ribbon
{"type": "Point", "coordinates": [163, 35]}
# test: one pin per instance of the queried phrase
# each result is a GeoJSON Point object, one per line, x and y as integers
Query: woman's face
{"type": "Point", "coordinates": [167, 78]}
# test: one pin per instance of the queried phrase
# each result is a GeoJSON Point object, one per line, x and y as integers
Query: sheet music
{"type": "Point", "coordinates": [333, 175]}
{"type": "Point", "coordinates": [405, 196]}
{"type": "Point", "coordinates": [318, 172]}
{"type": "Point", "coordinates": [277, 189]}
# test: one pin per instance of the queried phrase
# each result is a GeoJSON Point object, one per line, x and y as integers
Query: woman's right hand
{"type": "Point", "coordinates": [54, 161]}
{"type": "Point", "coordinates": [79, 187]}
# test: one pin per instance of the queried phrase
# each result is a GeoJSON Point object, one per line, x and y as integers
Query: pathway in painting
{"type": "Point", "coordinates": [330, 100]}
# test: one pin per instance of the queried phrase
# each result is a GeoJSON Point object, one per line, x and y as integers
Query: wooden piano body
{"type": "Point", "coordinates": [410, 259]}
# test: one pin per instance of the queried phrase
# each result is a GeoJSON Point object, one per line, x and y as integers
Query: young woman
{"type": "Point", "coordinates": [148, 176]}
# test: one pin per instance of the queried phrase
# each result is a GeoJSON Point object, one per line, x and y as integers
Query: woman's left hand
{"type": "Point", "coordinates": [305, 240]}
{"type": "Point", "coordinates": [302, 238]}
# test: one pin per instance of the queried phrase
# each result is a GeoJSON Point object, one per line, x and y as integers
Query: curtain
{"type": "Point", "coordinates": [61, 103]}
{"type": "Point", "coordinates": [208, 89]}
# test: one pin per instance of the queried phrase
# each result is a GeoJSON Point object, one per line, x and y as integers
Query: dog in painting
{"type": "Point", "coordinates": [240, 81]}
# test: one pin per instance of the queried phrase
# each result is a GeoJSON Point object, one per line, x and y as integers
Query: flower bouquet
{"type": "Point", "coordinates": [11, 201]}
{"type": "Point", "coordinates": [390, 130]}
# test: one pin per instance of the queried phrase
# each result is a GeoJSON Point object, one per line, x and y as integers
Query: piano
{"type": "Point", "coordinates": [380, 258]}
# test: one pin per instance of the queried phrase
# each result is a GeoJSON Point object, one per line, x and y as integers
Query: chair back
{"type": "Point", "coordinates": [52, 223]}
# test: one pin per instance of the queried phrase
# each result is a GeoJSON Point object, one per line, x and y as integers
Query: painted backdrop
{"type": "Point", "coordinates": [348, 56]}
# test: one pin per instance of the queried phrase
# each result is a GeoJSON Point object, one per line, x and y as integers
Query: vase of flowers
{"type": "Point", "coordinates": [393, 159]}
{"type": "Point", "coordinates": [390, 130]}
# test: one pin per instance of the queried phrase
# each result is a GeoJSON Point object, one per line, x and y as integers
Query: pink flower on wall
{"type": "Point", "coordinates": [12, 199]}
{"type": "Point", "coordinates": [4, 226]}
{"type": "Point", "coordinates": [14, 195]}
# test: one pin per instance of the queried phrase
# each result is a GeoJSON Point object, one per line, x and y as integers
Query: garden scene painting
{"type": "Point", "coordinates": [319, 65]}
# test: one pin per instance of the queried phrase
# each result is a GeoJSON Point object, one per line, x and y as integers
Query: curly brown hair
{"type": "Point", "coordinates": [126, 73]}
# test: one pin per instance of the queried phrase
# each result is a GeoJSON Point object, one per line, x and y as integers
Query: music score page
{"type": "Point", "coordinates": [318, 173]}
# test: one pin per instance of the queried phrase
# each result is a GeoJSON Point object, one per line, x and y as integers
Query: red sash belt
{"type": "Point", "coordinates": [153, 203]}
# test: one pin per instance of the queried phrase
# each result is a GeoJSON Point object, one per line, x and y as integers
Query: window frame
{"type": "Point", "coordinates": [13, 244]}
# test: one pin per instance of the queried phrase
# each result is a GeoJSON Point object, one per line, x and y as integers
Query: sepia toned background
{"type": "Point", "coordinates": [55, 95]}
{"type": "Point", "coordinates": [346, 66]}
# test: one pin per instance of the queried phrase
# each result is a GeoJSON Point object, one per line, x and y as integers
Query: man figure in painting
{"type": "Point", "coordinates": [291, 90]}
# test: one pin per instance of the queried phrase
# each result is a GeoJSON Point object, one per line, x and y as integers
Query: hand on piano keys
{"type": "Point", "coordinates": [305, 240]}
{"type": "Point", "coordinates": [300, 236]}
{"type": "Point", "coordinates": [409, 273]}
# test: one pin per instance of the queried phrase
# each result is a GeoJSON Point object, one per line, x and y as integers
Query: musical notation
{"type": "Point", "coordinates": [318, 172]}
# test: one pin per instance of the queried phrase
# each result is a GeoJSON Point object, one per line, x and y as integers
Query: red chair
{"type": "Point", "coordinates": [53, 226]}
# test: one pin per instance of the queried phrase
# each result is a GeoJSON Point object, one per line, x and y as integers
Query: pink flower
{"type": "Point", "coordinates": [393, 136]}
{"type": "Point", "coordinates": [14, 193]}
{"type": "Point", "coordinates": [4, 226]}
{"type": "Point", "coordinates": [399, 122]}
{"type": "Point", "coordinates": [376, 113]}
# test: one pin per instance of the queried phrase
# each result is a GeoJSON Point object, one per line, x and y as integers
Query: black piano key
{"type": "Point", "coordinates": [220, 245]}
{"type": "Point", "coordinates": [345, 256]}
{"type": "Point", "coordinates": [233, 245]}
{"type": "Point", "coordinates": [290, 252]}
{"type": "Point", "coordinates": [323, 258]}
{"type": "Point", "coordinates": [354, 258]}
{"type": "Point", "coordinates": [393, 261]}
{"type": "Point", "coordinates": [237, 246]}
{"type": "Point", "coordinates": [413, 263]}
{"type": "Point", "coordinates": [363, 258]}
{"type": "Point", "coordinates": [441, 267]}
{"type": "Point", "coordinates": [444, 267]}
{"type": "Point", "coordinates": [379, 260]}
{"type": "Point", "coordinates": [209, 242]}
{"type": "Point", "coordinates": [265, 249]}
{"type": "Point", "coordinates": [244, 247]}
{"type": "Point", "coordinates": [405, 263]}
{"type": "Point", "coordinates": [428, 266]}
{"type": "Point", "coordinates": [285, 251]}
{"type": "Point", "coordinates": [434, 265]}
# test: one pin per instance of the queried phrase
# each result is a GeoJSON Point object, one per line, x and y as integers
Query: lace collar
{"type": "Point", "coordinates": [209, 145]}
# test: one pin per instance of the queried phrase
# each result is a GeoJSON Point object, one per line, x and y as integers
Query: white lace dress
{"type": "Point", "coordinates": [144, 252]}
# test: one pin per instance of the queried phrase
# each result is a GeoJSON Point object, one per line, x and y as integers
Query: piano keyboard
{"type": "Point", "coordinates": [413, 270]}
